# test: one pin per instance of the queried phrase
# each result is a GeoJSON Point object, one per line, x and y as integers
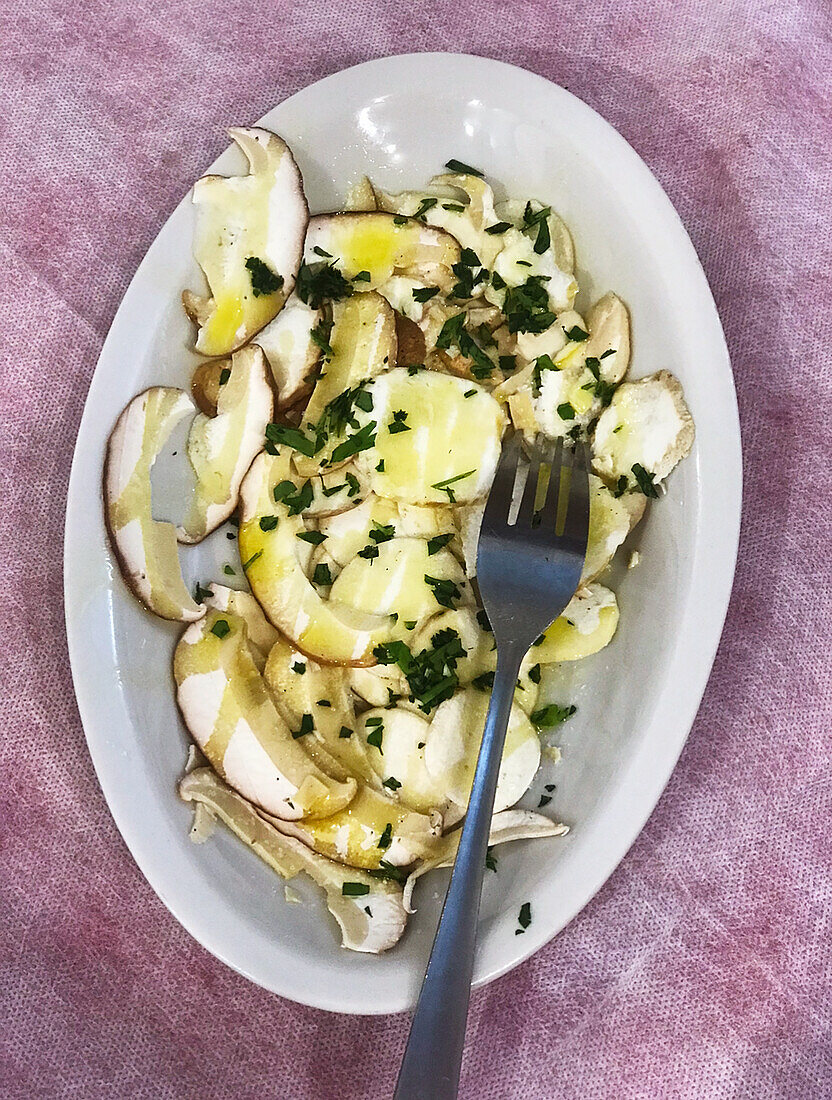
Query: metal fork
{"type": "Point", "coordinates": [531, 553]}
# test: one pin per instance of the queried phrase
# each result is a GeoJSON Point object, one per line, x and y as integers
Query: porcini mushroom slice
{"type": "Point", "coordinates": [585, 627]}
{"type": "Point", "coordinates": [363, 344]}
{"type": "Point", "coordinates": [506, 826]}
{"type": "Point", "coordinates": [146, 548]}
{"type": "Point", "coordinates": [248, 240]}
{"type": "Point", "coordinates": [290, 350]}
{"type": "Point", "coordinates": [385, 246]}
{"type": "Point", "coordinates": [221, 448]}
{"type": "Point", "coordinates": [228, 710]}
{"type": "Point", "coordinates": [645, 431]}
{"type": "Point", "coordinates": [269, 548]}
{"type": "Point", "coordinates": [368, 910]}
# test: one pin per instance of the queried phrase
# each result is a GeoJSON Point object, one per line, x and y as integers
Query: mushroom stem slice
{"type": "Point", "coordinates": [248, 240]}
{"type": "Point", "coordinates": [221, 448]}
{"type": "Point", "coordinates": [368, 910]}
{"type": "Point", "coordinates": [146, 548]}
{"type": "Point", "coordinates": [290, 351]}
{"type": "Point", "coordinates": [585, 627]}
{"type": "Point", "coordinates": [227, 708]}
{"type": "Point", "coordinates": [506, 826]}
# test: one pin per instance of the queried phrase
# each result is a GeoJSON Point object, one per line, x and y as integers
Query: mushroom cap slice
{"type": "Point", "coordinates": [646, 424]}
{"type": "Point", "coordinates": [146, 548]}
{"type": "Point", "coordinates": [400, 759]}
{"type": "Point", "coordinates": [301, 686]}
{"type": "Point", "coordinates": [259, 217]}
{"type": "Point", "coordinates": [451, 448]}
{"type": "Point", "coordinates": [370, 914]}
{"type": "Point", "coordinates": [221, 448]}
{"type": "Point", "coordinates": [376, 827]}
{"type": "Point", "coordinates": [384, 245]}
{"type": "Point", "coordinates": [453, 743]}
{"type": "Point", "coordinates": [292, 354]}
{"type": "Point", "coordinates": [585, 627]}
{"type": "Point", "coordinates": [363, 341]}
{"type": "Point", "coordinates": [228, 710]}
{"type": "Point", "coordinates": [328, 632]}
{"type": "Point", "coordinates": [507, 825]}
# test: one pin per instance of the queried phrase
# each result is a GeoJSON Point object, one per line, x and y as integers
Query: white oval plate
{"type": "Point", "coordinates": [398, 120]}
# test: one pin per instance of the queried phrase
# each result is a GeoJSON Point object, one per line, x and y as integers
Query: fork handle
{"type": "Point", "coordinates": [430, 1069]}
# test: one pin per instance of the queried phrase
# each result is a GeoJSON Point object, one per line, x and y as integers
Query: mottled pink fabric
{"type": "Point", "coordinates": [703, 968]}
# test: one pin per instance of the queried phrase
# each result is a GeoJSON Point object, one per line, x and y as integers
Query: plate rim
{"type": "Point", "coordinates": [630, 824]}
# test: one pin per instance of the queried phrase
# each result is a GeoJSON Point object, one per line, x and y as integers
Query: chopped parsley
{"type": "Point", "coordinates": [314, 538]}
{"type": "Point", "coordinates": [354, 484]}
{"type": "Point", "coordinates": [620, 486]}
{"type": "Point", "coordinates": [455, 207]}
{"type": "Point", "coordinates": [497, 227]}
{"type": "Point", "coordinates": [345, 731]}
{"type": "Point", "coordinates": [576, 333]}
{"type": "Point", "coordinates": [526, 307]}
{"type": "Point", "coordinates": [252, 559]}
{"type": "Point", "coordinates": [424, 293]}
{"type": "Point", "coordinates": [322, 252]}
{"type": "Point", "coordinates": [320, 335]}
{"type": "Point", "coordinates": [263, 280]}
{"type": "Point", "coordinates": [484, 682]}
{"type": "Point", "coordinates": [497, 281]}
{"type": "Point", "coordinates": [361, 277]}
{"type": "Point", "coordinates": [306, 726]}
{"type": "Point", "coordinates": [391, 783]}
{"type": "Point", "coordinates": [268, 523]}
{"type": "Point", "coordinates": [437, 542]}
{"type": "Point", "coordinates": [445, 592]}
{"type": "Point", "coordinates": [545, 799]}
{"type": "Point", "coordinates": [645, 480]}
{"type": "Point", "coordinates": [462, 169]}
{"type": "Point", "coordinates": [322, 575]}
{"type": "Point", "coordinates": [291, 437]}
{"type": "Point", "coordinates": [361, 441]}
{"type": "Point", "coordinates": [537, 220]}
{"type": "Point", "coordinates": [354, 889]}
{"type": "Point", "coordinates": [524, 918]}
{"type": "Point", "coordinates": [295, 500]}
{"type": "Point", "coordinates": [565, 411]}
{"type": "Point", "coordinates": [220, 628]}
{"type": "Point", "coordinates": [324, 703]}
{"type": "Point", "coordinates": [321, 282]}
{"type": "Point", "coordinates": [299, 667]}
{"type": "Point", "coordinates": [386, 837]}
{"type": "Point", "coordinates": [534, 674]}
{"type": "Point", "coordinates": [490, 860]}
{"type": "Point", "coordinates": [469, 393]}
{"type": "Point", "coordinates": [382, 532]}
{"type": "Point", "coordinates": [431, 673]}
{"type": "Point", "coordinates": [369, 553]}
{"type": "Point", "coordinates": [229, 571]}
{"type": "Point", "coordinates": [388, 872]}
{"type": "Point", "coordinates": [374, 737]}
{"type": "Point", "coordinates": [380, 466]}
{"type": "Point", "coordinates": [445, 486]}
{"type": "Point", "coordinates": [201, 594]}
{"type": "Point", "coordinates": [400, 220]}
{"type": "Point", "coordinates": [225, 374]}
{"type": "Point", "coordinates": [551, 715]}
{"type": "Point", "coordinates": [425, 205]}
{"type": "Point", "coordinates": [398, 423]}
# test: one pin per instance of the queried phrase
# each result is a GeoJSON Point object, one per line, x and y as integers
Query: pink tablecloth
{"type": "Point", "coordinates": [703, 968]}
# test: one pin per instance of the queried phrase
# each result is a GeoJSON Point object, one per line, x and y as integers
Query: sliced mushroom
{"type": "Point", "coordinates": [396, 750]}
{"type": "Point", "coordinates": [221, 448]}
{"type": "Point", "coordinates": [248, 240]}
{"type": "Point", "coordinates": [648, 426]}
{"type": "Point", "coordinates": [383, 245]}
{"type": "Point", "coordinates": [363, 342]}
{"type": "Point", "coordinates": [368, 910]}
{"type": "Point", "coordinates": [453, 743]}
{"type": "Point", "coordinates": [146, 548]}
{"type": "Point", "coordinates": [506, 826]}
{"type": "Point", "coordinates": [291, 352]}
{"type": "Point", "coordinates": [271, 552]}
{"type": "Point", "coordinates": [585, 627]}
{"type": "Point", "coordinates": [228, 710]}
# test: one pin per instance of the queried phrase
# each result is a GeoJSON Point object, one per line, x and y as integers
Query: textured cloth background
{"type": "Point", "coordinates": [703, 968]}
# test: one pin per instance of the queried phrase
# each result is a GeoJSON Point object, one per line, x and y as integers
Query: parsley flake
{"type": "Point", "coordinates": [220, 628]}
{"type": "Point", "coordinates": [264, 281]}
